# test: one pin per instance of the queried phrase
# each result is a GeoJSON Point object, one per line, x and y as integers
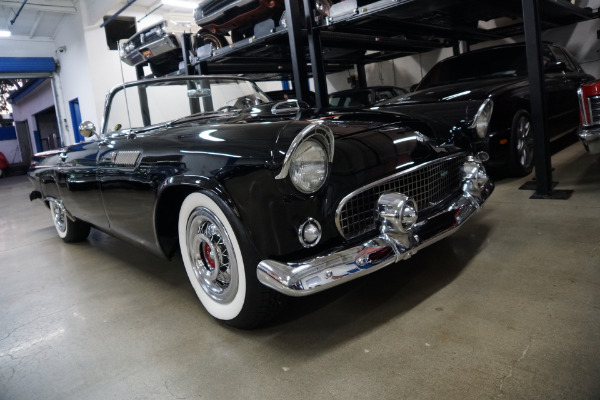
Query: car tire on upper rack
{"type": "Point", "coordinates": [520, 160]}
{"type": "Point", "coordinates": [204, 37]}
{"type": "Point", "coordinates": [221, 267]}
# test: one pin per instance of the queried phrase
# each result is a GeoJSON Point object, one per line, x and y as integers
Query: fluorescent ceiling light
{"type": "Point", "coordinates": [4, 33]}
{"type": "Point", "coordinates": [179, 3]}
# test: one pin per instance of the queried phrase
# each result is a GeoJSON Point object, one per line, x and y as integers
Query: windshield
{"type": "Point", "coordinates": [510, 61]}
{"type": "Point", "coordinates": [142, 104]}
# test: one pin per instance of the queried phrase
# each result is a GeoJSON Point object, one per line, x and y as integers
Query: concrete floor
{"type": "Point", "coordinates": [508, 308]}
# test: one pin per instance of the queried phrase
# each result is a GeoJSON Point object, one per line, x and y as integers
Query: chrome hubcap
{"type": "Point", "coordinates": [58, 214]}
{"type": "Point", "coordinates": [524, 142]}
{"type": "Point", "coordinates": [212, 256]}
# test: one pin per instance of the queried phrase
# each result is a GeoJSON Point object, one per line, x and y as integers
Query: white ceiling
{"type": "Point", "coordinates": [40, 19]}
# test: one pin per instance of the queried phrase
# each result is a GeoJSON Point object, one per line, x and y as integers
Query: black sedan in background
{"type": "Point", "coordinates": [499, 75]}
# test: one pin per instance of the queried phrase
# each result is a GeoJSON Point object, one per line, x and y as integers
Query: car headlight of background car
{"type": "Point", "coordinates": [308, 158]}
{"type": "Point", "coordinates": [482, 118]}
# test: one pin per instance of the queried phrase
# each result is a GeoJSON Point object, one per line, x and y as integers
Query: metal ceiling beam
{"type": "Point", "coordinates": [63, 7]}
{"type": "Point", "coordinates": [36, 23]}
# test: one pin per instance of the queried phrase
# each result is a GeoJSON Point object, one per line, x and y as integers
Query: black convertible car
{"type": "Point", "coordinates": [499, 75]}
{"type": "Point", "coordinates": [259, 198]}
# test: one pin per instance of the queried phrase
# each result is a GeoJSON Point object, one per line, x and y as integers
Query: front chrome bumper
{"type": "Point", "coordinates": [590, 136]}
{"type": "Point", "coordinates": [329, 270]}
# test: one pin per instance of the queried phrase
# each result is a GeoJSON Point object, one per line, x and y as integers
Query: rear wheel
{"type": "Point", "coordinates": [520, 161]}
{"type": "Point", "coordinates": [222, 269]}
{"type": "Point", "coordinates": [68, 230]}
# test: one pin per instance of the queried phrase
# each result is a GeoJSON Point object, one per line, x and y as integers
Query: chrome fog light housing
{"type": "Point", "coordinates": [397, 212]}
{"type": "Point", "coordinates": [482, 118]}
{"type": "Point", "coordinates": [309, 233]}
{"type": "Point", "coordinates": [308, 167]}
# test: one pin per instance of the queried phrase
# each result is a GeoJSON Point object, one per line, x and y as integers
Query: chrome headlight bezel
{"type": "Point", "coordinates": [315, 137]}
{"type": "Point", "coordinates": [481, 122]}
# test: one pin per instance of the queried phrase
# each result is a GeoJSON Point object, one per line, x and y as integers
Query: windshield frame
{"type": "Point", "coordinates": [149, 82]}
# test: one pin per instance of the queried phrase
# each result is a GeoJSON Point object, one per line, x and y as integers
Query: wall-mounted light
{"type": "Point", "coordinates": [180, 3]}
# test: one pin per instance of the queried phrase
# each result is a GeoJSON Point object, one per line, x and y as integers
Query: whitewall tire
{"type": "Point", "coordinates": [221, 269]}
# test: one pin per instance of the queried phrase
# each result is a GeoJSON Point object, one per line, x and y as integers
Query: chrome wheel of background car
{"type": "Point", "coordinates": [68, 230]}
{"type": "Point", "coordinates": [521, 157]}
{"type": "Point", "coordinates": [212, 256]}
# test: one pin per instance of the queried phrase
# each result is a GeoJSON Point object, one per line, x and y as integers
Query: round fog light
{"type": "Point", "coordinates": [309, 233]}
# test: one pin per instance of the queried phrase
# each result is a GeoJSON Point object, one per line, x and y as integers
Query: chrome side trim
{"type": "Point", "coordinates": [342, 265]}
{"type": "Point", "coordinates": [315, 129]}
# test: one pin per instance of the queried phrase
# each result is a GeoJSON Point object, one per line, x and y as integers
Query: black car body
{"type": "Point", "coordinates": [260, 198]}
{"type": "Point", "coordinates": [364, 97]}
{"type": "Point", "coordinates": [499, 74]}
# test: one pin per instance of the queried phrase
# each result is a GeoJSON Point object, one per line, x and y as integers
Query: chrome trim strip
{"type": "Point", "coordinates": [584, 117]}
{"type": "Point", "coordinates": [314, 129]}
{"type": "Point", "coordinates": [340, 266]}
{"type": "Point", "coordinates": [389, 178]}
{"type": "Point", "coordinates": [590, 139]}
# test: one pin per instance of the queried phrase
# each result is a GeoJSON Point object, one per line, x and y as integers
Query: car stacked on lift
{"type": "Point", "coordinates": [259, 198]}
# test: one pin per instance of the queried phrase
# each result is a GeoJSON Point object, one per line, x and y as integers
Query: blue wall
{"type": "Point", "coordinates": [8, 133]}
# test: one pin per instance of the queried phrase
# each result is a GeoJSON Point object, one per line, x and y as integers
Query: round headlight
{"type": "Point", "coordinates": [482, 118]}
{"type": "Point", "coordinates": [308, 167]}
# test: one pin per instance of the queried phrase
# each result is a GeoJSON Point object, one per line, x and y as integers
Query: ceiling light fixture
{"type": "Point", "coordinates": [179, 3]}
{"type": "Point", "coordinates": [4, 33]}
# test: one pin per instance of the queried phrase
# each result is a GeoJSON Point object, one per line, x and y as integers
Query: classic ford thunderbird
{"type": "Point", "coordinates": [262, 200]}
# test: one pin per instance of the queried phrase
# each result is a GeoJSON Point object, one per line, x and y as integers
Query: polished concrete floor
{"type": "Point", "coordinates": [507, 308]}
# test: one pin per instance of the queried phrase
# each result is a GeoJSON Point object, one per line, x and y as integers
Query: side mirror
{"type": "Point", "coordinates": [555, 67]}
{"type": "Point", "coordinates": [87, 129]}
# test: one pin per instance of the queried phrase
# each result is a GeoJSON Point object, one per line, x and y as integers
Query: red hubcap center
{"type": "Point", "coordinates": [208, 256]}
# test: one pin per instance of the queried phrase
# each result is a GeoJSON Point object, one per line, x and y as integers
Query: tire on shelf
{"type": "Point", "coordinates": [221, 268]}
{"type": "Point", "coordinates": [204, 37]}
{"type": "Point", "coordinates": [68, 230]}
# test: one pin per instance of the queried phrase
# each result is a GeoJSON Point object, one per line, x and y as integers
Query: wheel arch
{"type": "Point", "coordinates": [169, 200]}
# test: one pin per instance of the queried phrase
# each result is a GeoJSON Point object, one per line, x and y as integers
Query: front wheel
{"type": "Point", "coordinates": [68, 230]}
{"type": "Point", "coordinates": [221, 269]}
{"type": "Point", "coordinates": [520, 161]}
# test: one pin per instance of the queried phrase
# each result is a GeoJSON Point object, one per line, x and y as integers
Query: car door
{"type": "Point", "coordinates": [78, 185]}
{"type": "Point", "coordinates": [129, 189]}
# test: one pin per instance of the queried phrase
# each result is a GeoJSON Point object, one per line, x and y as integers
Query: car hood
{"type": "Point", "coordinates": [463, 90]}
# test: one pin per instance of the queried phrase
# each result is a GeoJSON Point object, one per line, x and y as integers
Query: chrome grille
{"type": "Point", "coordinates": [595, 109]}
{"type": "Point", "coordinates": [427, 184]}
